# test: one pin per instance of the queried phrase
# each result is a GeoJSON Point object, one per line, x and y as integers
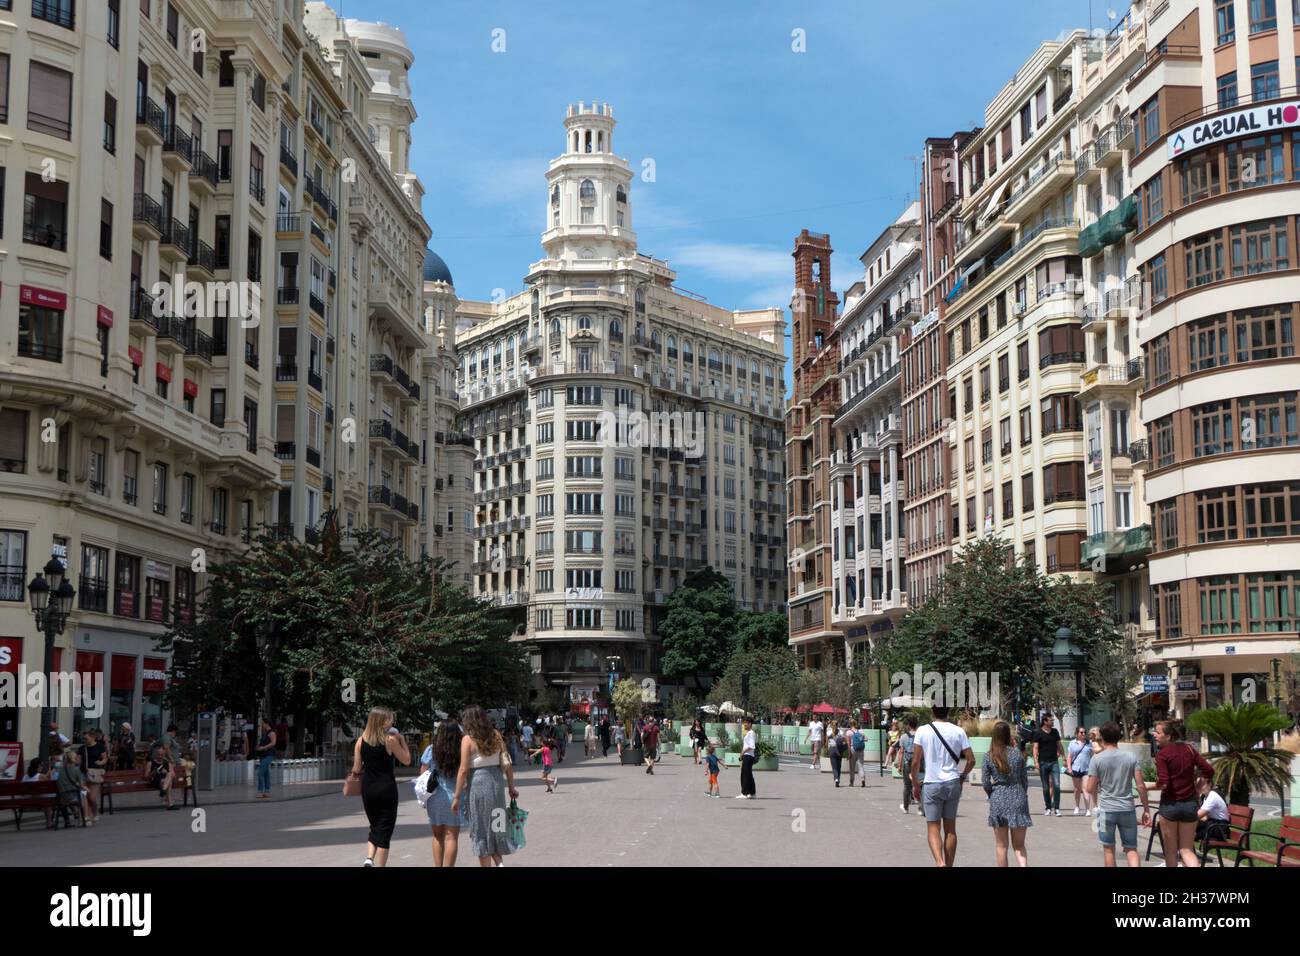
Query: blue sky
{"type": "Point", "coordinates": [751, 141]}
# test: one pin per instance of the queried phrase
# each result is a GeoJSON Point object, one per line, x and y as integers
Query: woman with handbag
{"type": "Point", "coordinates": [1177, 763]}
{"type": "Point", "coordinates": [442, 759]}
{"type": "Point", "coordinates": [373, 760]}
{"type": "Point", "coordinates": [486, 773]}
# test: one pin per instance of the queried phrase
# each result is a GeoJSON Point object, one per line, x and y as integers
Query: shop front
{"type": "Point", "coordinates": [133, 675]}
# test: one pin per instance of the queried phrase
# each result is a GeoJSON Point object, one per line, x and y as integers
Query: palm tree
{"type": "Point", "coordinates": [1243, 766]}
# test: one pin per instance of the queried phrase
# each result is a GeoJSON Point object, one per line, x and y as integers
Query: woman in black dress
{"type": "Point", "coordinates": [374, 757]}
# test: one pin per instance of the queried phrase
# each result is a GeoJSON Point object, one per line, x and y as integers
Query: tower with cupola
{"type": "Point", "coordinates": [588, 212]}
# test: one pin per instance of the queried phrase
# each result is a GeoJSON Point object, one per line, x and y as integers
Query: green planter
{"type": "Point", "coordinates": [731, 760]}
{"type": "Point", "coordinates": [632, 756]}
{"type": "Point", "coordinates": [767, 763]}
{"type": "Point", "coordinates": [805, 748]}
{"type": "Point", "coordinates": [667, 748]}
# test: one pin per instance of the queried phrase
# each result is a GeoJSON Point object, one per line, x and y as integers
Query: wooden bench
{"type": "Point", "coordinates": [1240, 820]}
{"type": "Point", "coordinates": [134, 781]}
{"type": "Point", "coordinates": [39, 795]}
{"type": "Point", "coordinates": [1288, 846]}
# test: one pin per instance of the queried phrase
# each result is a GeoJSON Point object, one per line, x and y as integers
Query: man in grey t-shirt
{"type": "Point", "coordinates": [1112, 775]}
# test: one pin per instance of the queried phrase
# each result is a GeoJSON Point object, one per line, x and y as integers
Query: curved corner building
{"type": "Point", "coordinates": [1217, 163]}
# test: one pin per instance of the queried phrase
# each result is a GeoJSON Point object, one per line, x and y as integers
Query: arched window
{"type": "Point", "coordinates": [621, 195]}
{"type": "Point", "coordinates": [672, 346]}
{"type": "Point", "coordinates": [587, 191]}
{"type": "Point", "coordinates": [555, 195]}
{"type": "Point", "coordinates": [640, 299]}
{"type": "Point", "coordinates": [753, 370]}
{"type": "Point", "coordinates": [687, 355]}
{"type": "Point", "coordinates": [715, 360]}
{"type": "Point", "coordinates": [555, 326]}
{"type": "Point", "coordinates": [584, 323]}
{"type": "Point", "coordinates": [654, 339]}
{"type": "Point", "coordinates": [615, 330]}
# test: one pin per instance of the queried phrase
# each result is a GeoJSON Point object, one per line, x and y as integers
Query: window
{"type": "Point", "coordinates": [1263, 15]}
{"type": "Point", "coordinates": [187, 498]}
{"type": "Point", "coordinates": [13, 565]}
{"type": "Point", "coordinates": [1157, 279]}
{"type": "Point", "coordinates": [1063, 482]}
{"type": "Point", "coordinates": [220, 502]}
{"type": "Point", "coordinates": [259, 91]}
{"type": "Point", "coordinates": [1264, 333]}
{"type": "Point", "coordinates": [1169, 611]}
{"type": "Point", "coordinates": [1259, 247]}
{"type": "Point", "coordinates": [1204, 258]}
{"type": "Point", "coordinates": [1255, 162]}
{"type": "Point", "coordinates": [225, 152]}
{"type": "Point", "coordinates": [1166, 524]}
{"type": "Point", "coordinates": [1227, 87]}
{"type": "Point", "coordinates": [1159, 359]}
{"type": "Point", "coordinates": [254, 256]}
{"type": "Point", "coordinates": [40, 333]}
{"type": "Point", "coordinates": [1162, 439]}
{"type": "Point", "coordinates": [92, 588]}
{"type": "Point", "coordinates": [1216, 515]}
{"type": "Point", "coordinates": [97, 467]}
{"type": "Point", "coordinates": [1149, 122]}
{"type": "Point", "coordinates": [110, 123]}
{"type": "Point", "coordinates": [113, 32]}
{"type": "Point", "coordinates": [545, 506]}
{"type": "Point", "coordinates": [1026, 493]}
{"type": "Point", "coordinates": [1272, 602]}
{"type": "Point", "coordinates": [1199, 176]}
{"type": "Point", "coordinates": [45, 212]}
{"type": "Point", "coordinates": [1004, 372]}
{"type": "Point", "coordinates": [226, 69]}
{"type": "Point", "coordinates": [1271, 510]}
{"type": "Point", "coordinates": [1153, 198]}
{"type": "Point", "coordinates": [49, 100]}
{"type": "Point", "coordinates": [1123, 507]}
{"type": "Point", "coordinates": [1271, 420]}
{"type": "Point", "coordinates": [106, 229]}
{"type": "Point", "coordinates": [159, 488]}
{"type": "Point", "coordinates": [545, 582]}
{"type": "Point", "coordinates": [1026, 425]}
{"type": "Point", "coordinates": [1061, 413]}
{"type": "Point", "coordinates": [1212, 429]}
{"type": "Point", "coordinates": [1220, 600]}
{"type": "Point", "coordinates": [1225, 22]}
{"type": "Point", "coordinates": [173, 27]}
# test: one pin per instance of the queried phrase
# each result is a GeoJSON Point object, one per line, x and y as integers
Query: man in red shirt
{"type": "Point", "coordinates": [650, 744]}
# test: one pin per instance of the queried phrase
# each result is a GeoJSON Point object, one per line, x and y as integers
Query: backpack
{"type": "Point", "coordinates": [859, 742]}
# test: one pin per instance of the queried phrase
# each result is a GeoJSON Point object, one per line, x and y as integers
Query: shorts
{"type": "Point", "coordinates": [939, 800]}
{"type": "Point", "coordinates": [1180, 811]}
{"type": "Point", "coordinates": [546, 769]}
{"type": "Point", "coordinates": [713, 780]}
{"type": "Point", "coordinates": [1127, 823]}
{"type": "Point", "coordinates": [649, 753]}
{"type": "Point", "coordinates": [1077, 774]}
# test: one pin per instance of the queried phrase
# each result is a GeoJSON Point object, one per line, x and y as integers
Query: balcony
{"type": "Point", "coordinates": [177, 147]}
{"type": "Point", "coordinates": [1046, 180]}
{"type": "Point", "coordinates": [289, 161]}
{"type": "Point", "coordinates": [175, 239]}
{"type": "Point", "coordinates": [202, 257]}
{"type": "Point", "coordinates": [288, 223]}
{"type": "Point", "coordinates": [1116, 552]}
{"type": "Point", "coordinates": [198, 344]}
{"type": "Point", "coordinates": [286, 450]}
{"type": "Point", "coordinates": [287, 295]}
{"type": "Point", "coordinates": [380, 496]}
{"type": "Point", "coordinates": [171, 335]}
{"type": "Point", "coordinates": [286, 370]}
{"type": "Point", "coordinates": [381, 365]}
{"type": "Point", "coordinates": [142, 309]}
{"type": "Point", "coordinates": [146, 217]}
{"type": "Point", "coordinates": [1138, 452]}
{"type": "Point", "coordinates": [150, 121]}
{"type": "Point", "coordinates": [381, 428]}
{"type": "Point", "coordinates": [203, 170]}
{"type": "Point", "coordinates": [1109, 149]}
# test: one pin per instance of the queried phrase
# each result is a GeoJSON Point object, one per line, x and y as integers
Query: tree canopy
{"type": "Point", "coordinates": [351, 628]}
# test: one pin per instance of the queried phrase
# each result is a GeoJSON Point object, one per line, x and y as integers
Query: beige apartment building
{"type": "Point", "coordinates": [626, 434]}
{"type": "Point", "coordinates": [1015, 346]}
{"type": "Point", "coordinates": [1216, 170]}
{"type": "Point", "coordinates": [868, 541]}
{"type": "Point", "coordinates": [184, 313]}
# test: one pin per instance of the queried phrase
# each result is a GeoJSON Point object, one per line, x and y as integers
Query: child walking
{"type": "Point", "coordinates": [711, 759]}
{"type": "Point", "coordinates": [545, 750]}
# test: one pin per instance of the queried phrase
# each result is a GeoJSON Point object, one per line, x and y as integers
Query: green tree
{"type": "Point", "coordinates": [761, 629]}
{"type": "Point", "coordinates": [1244, 766]}
{"type": "Point", "coordinates": [698, 628]}
{"type": "Point", "coordinates": [1115, 670]}
{"type": "Point", "coordinates": [771, 671]}
{"type": "Point", "coordinates": [989, 609]}
{"type": "Point", "coordinates": [629, 703]}
{"type": "Point", "coordinates": [354, 627]}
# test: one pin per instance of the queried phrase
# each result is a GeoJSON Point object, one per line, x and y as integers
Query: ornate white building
{"type": "Point", "coordinates": [582, 521]}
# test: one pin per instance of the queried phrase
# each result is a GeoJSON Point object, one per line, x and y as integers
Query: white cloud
{"type": "Point", "coordinates": [736, 262]}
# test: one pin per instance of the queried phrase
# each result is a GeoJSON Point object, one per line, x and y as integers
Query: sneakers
{"type": "Point", "coordinates": [1088, 812]}
{"type": "Point", "coordinates": [903, 808]}
{"type": "Point", "coordinates": [555, 783]}
{"type": "Point", "coordinates": [369, 862]}
{"type": "Point", "coordinates": [1076, 811]}
{"type": "Point", "coordinates": [715, 796]}
{"type": "Point", "coordinates": [1056, 812]}
{"type": "Point", "coordinates": [741, 796]}
{"type": "Point", "coordinates": [1047, 812]}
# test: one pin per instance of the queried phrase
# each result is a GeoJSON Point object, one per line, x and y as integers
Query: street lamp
{"type": "Point", "coordinates": [268, 642]}
{"type": "Point", "coordinates": [1065, 656]}
{"type": "Point", "coordinates": [50, 595]}
{"type": "Point", "coordinates": [614, 662]}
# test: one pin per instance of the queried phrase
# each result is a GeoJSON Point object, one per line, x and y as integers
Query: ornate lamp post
{"type": "Point", "coordinates": [50, 594]}
{"type": "Point", "coordinates": [1066, 656]}
{"type": "Point", "coordinates": [268, 643]}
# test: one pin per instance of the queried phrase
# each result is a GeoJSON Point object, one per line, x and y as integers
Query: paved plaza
{"type": "Point", "coordinates": [602, 814]}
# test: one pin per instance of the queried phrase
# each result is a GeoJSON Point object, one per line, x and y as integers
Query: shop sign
{"type": "Point", "coordinates": [154, 675]}
{"type": "Point", "coordinates": [1155, 684]}
{"type": "Point", "coordinates": [159, 572]}
{"type": "Point", "coordinates": [46, 298]}
{"type": "Point", "coordinates": [1245, 122]}
{"type": "Point", "coordinates": [11, 654]}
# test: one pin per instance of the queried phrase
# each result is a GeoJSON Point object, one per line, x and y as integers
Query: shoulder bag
{"type": "Point", "coordinates": [948, 747]}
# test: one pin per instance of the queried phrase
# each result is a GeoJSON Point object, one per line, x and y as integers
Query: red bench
{"type": "Point", "coordinates": [134, 781]}
{"type": "Point", "coordinates": [40, 795]}
{"type": "Point", "coordinates": [1240, 820]}
{"type": "Point", "coordinates": [1288, 846]}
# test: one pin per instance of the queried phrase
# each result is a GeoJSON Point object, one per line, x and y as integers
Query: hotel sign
{"type": "Point", "coordinates": [1244, 122]}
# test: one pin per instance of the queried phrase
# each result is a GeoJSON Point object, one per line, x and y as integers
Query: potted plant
{"type": "Point", "coordinates": [1243, 765]}
{"type": "Point", "coordinates": [768, 757]}
{"type": "Point", "coordinates": [979, 730]}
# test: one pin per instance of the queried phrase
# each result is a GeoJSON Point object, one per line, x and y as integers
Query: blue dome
{"type": "Point", "coordinates": [435, 270]}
